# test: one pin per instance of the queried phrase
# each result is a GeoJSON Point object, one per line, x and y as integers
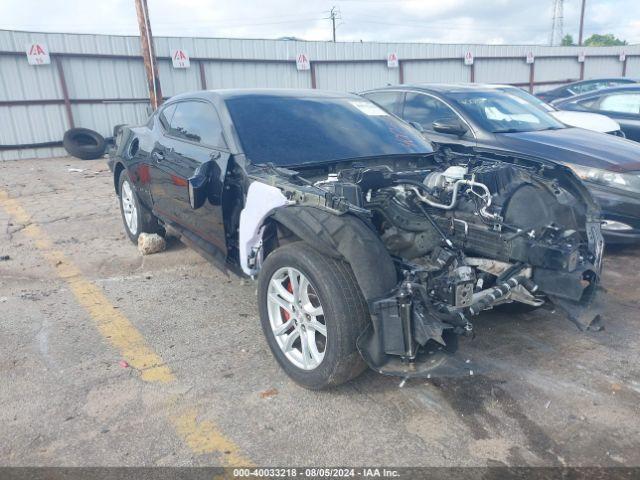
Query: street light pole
{"type": "Point", "coordinates": [148, 54]}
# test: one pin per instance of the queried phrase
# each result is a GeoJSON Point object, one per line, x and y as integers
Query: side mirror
{"type": "Point", "coordinates": [199, 185]}
{"type": "Point", "coordinates": [198, 190]}
{"type": "Point", "coordinates": [450, 126]}
{"type": "Point", "coordinates": [417, 126]}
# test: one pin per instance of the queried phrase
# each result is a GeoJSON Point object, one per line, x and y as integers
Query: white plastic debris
{"type": "Point", "coordinates": [149, 243]}
{"type": "Point", "coordinates": [471, 372]}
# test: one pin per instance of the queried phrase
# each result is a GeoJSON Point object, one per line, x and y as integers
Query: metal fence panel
{"type": "Point", "coordinates": [104, 116]}
{"type": "Point", "coordinates": [595, 67]}
{"type": "Point", "coordinates": [354, 77]}
{"type": "Point", "coordinates": [177, 80]}
{"type": "Point", "coordinates": [502, 70]}
{"type": "Point", "coordinates": [27, 124]}
{"type": "Point", "coordinates": [254, 75]}
{"type": "Point", "coordinates": [436, 71]}
{"type": "Point", "coordinates": [633, 67]}
{"type": "Point", "coordinates": [554, 69]}
{"type": "Point", "coordinates": [105, 78]}
{"type": "Point", "coordinates": [21, 81]}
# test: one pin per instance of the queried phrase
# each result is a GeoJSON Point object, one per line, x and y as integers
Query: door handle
{"type": "Point", "coordinates": [158, 156]}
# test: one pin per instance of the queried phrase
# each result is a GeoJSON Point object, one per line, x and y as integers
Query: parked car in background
{"type": "Point", "coordinates": [586, 120]}
{"type": "Point", "coordinates": [582, 86]}
{"type": "Point", "coordinates": [471, 118]}
{"type": "Point", "coordinates": [368, 247]}
{"type": "Point", "coordinates": [621, 104]}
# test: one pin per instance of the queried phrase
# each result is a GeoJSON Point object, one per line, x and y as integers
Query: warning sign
{"type": "Point", "coordinates": [623, 56]}
{"type": "Point", "coordinates": [530, 57]}
{"type": "Point", "coordinates": [180, 58]}
{"type": "Point", "coordinates": [38, 54]}
{"type": "Point", "coordinates": [302, 62]}
{"type": "Point", "coordinates": [392, 60]}
{"type": "Point", "coordinates": [581, 57]}
{"type": "Point", "coordinates": [468, 58]}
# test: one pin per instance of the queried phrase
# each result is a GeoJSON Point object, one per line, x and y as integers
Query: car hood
{"type": "Point", "coordinates": [576, 146]}
{"type": "Point", "coordinates": [589, 121]}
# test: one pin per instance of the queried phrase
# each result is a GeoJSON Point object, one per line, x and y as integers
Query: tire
{"type": "Point", "coordinates": [84, 143]}
{"type": "Point", "coordinates": [345, 316]}
{"type": "Point", "coordinates": [141, 219]}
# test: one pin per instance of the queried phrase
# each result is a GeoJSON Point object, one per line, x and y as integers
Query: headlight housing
{"type": "Point", "coordinates": [624, 181]}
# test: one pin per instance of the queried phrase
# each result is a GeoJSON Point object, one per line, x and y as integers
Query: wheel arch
{"type": "Point", "coordinates": [118, 168]}
{"type": "Point", "coordinates": [344, 237]}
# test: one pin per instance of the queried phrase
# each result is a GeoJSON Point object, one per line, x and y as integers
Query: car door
{"type": "Point", "coordinates": [425, 109]}
{"type": "Point", "coordinates": [193, 142]}
{"type": "Point", "coordinates": [624, 107]}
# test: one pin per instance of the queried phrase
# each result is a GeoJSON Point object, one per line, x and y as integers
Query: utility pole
{"type": "Point", "coordinates": [148, 54]}
{"type": "Point", "coordinates": [334, 14]}
{"type": "Point", "coordinates": [581, 23]}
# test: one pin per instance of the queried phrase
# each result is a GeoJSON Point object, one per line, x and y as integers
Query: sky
{"type": "Point", "coordinates": [434, 21]}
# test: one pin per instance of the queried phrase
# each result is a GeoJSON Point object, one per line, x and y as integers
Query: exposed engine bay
{"type": "Point", "coordinates": [465, 235]}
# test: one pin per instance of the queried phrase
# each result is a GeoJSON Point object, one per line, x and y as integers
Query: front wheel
{"type": "Point", "coordinates": [312, 312]}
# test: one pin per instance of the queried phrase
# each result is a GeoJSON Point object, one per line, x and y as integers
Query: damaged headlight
{"type": "Point", "coordinates": [624, 181]}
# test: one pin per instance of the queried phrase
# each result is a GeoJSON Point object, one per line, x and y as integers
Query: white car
{"type": "Point", "coordinates": [586, 120]}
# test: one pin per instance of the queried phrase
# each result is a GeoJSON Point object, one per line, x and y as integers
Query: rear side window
{"type": "Point", "coordinates": [621, 103]}
{"type": "Point", "coordinates": [197, 122]}
{"type": "Point", "coordinates": [166, 114]}
{"type": "Point", "coordinates": [390, 101]}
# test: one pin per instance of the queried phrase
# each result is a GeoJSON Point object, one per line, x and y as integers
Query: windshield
{"type": "Point", "coordinates": [518, 92]}
{"type": "Point", "coordinates": [502, 112]}
{"type": "Point", "coordinates": [296, 130]}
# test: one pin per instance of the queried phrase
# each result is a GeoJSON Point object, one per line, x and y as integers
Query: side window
{"type": "Point", "coordinates": [425, 110]}
{"type": "Point", "coordinates": [621, 103]}
{"type": "Point", "coordinates": [166, 114]}
{"type": "Point", "coordinates": [197, 122]}
{"type": "Point", "coordinates": [387, 100]}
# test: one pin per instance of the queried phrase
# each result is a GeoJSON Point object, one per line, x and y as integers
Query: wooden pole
{"type": "Point", "coordinates": [581, 23]}
{"type": "Point", "coordinates": [148, 54]}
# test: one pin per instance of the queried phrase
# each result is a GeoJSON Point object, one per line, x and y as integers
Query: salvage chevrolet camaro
{"type": "Point", "coordinates": [368, 248]}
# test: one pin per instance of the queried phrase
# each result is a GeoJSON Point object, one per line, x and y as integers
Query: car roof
{"type": "Point", "coordinates": [602, 91]}
{"type": "Point", "coordinates": [444, 87]}
{"type": "Point", "coordinates": [225, 94]}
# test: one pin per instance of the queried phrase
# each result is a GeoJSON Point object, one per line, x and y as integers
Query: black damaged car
{"type": "Point", "coordinates": [368, 248]}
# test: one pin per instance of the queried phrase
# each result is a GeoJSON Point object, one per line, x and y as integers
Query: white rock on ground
{"type": "Point", "coordinates": [149, 243]}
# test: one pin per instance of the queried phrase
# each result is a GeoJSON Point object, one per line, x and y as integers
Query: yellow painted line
{"type": "Point", "coordinates": [201, 437]}
{"type": "Point", "coordinates": [110, 322]}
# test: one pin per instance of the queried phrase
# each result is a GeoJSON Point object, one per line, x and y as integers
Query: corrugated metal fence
{"type": "Point", "coordinates": [98, 81]}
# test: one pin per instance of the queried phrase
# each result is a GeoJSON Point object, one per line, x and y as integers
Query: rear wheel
{"type": "Point", "coordinates": [312, 312]}
{"type": "Point", "coordinates": [136, 218]}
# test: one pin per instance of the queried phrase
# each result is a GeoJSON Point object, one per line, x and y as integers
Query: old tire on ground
{"type": "Point", "coordinates": [301, 294]}
{"type": "Point", "coordinates": [136, 218]}
{"type": "Point", "coordinates": [84, 143]}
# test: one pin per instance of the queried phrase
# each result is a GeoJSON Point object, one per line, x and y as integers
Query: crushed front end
{"type": "Point", "coordinates": [465, 234]}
